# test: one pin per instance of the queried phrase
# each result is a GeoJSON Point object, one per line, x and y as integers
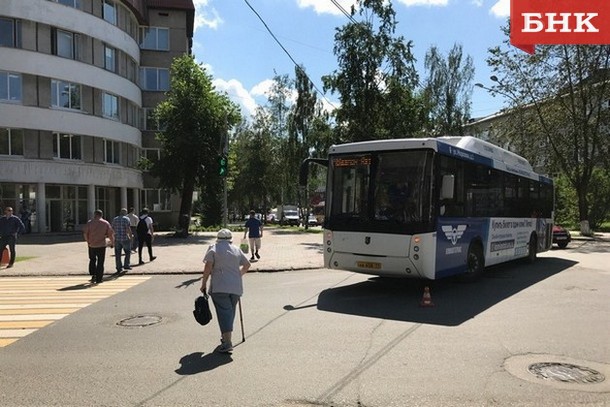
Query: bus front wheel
{"type": "Point", "coordinates": [475, 264]}
{"type": "Point", "coordinates": [532, 249]}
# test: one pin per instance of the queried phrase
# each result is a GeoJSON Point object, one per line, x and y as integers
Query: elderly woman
{"type": "Point", "coordinates": [226, 264]}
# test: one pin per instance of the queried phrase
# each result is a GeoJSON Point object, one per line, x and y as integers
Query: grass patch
{"type": "Point", "coordinates": [23, 258]}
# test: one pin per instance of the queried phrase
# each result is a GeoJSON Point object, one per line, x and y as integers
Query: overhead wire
{"type": "Point", "coordinates": [340, 7]}
{"type": "Point", "coordinates": [288, 53]}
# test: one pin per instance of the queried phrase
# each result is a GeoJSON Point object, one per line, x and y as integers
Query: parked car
{"type": "Point", "coordinates": [272, 216]}
{"type": "Point", "coordinates": [561, 236]}
{"type": "Point", "coordinates": [289, 215]}
{"type": "Point", "coordinates": [312, 220]}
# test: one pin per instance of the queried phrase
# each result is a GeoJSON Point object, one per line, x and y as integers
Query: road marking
{"type": "Point", "coordinates": [30, 303]}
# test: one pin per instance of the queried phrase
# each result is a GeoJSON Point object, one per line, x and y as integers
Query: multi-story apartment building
{"type": "Point", "coordinates": [79, 80]}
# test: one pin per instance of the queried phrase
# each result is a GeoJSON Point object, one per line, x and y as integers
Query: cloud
{"type": "Point", "coordinates": [238, 94]}
{"type": "Point", "coordinates": [501, 9]}
{"type": "Point", "coordinates": [205, 15]}
{"type": "Point", "coordinates": [327, 6]}
{"type": "Point", "coordinates": [410, 3]}
{"type": "Point", "coordinates": [262, 88]}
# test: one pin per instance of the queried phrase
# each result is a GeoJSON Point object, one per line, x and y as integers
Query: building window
{"type": "Point", "coordinates": [65, 94]}
{"type": "Point", "coordinates": [133, 114]}
{"type": "Point", "coordinates": [111, 151]}
{"type": "Point", "coordinates": [154, 79]}
{"type": "Point", "coordinates": [66, 44]}
{"type": "Point", "coordinates": [109, 11]}
{"type": "Point", "coordinates": [110, 107]}
{"type": "Point", "coordinates": [69, 3]}
{"type": "Point", "coordinates": [109, 58]}
{"type": "Point", "coordinates": [131, 25]}
{"type": "Point", "coordinates": [10, 86]}
{"type": "Point", "coordinates": [156, 199]}
{"type": "Point", "coordinates": [152, 154]}
{"type": "Point", "coordinates": [11, 142]}
{"type": "Point", "coordinates": [10, 33]}
{"type": "Point", "coordinates": [67, 146]}
{"type": "Point", "coordinates": [149, 120]}
{"type": "Point", "coordinates": [154, 38]}
{"type": "Point", "coordinates": [132, 69]}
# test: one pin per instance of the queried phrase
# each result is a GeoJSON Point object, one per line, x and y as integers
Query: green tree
{"type": "Point", "coordinates": [279, 107]}
{"type": "Point", "coordinates": [253, 147]}
{"type": "Point", "coordinates": [448, 90]}
{"type": "Point", "coordinates": [376, 77]}
{"type": "Point", "coordinates": [195, 119]}
{"type": "Point", "coordinates": [562, 92]}
{"type": "Point", "coordinates": [300, 121]}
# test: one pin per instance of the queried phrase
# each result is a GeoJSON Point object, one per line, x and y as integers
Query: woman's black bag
{"type": "Point", "coordinates": [202, 312]}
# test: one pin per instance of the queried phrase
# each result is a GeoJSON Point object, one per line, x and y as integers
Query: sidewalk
{"type": "Point", "coordinates": [54, 255]}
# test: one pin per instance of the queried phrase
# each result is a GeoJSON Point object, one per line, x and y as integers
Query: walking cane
{"type": "Point", "coordinates": [241, 320]}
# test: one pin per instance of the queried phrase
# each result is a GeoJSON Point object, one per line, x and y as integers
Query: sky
{"type": "Point", "coordinates": [238, 51]}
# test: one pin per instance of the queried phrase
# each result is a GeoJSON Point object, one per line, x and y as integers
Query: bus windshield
{"type": "Point", "coordinates": [381, 192]}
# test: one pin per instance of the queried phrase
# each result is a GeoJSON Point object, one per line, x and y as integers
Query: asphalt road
{"type": "Point", "coordinates": [330, 338]}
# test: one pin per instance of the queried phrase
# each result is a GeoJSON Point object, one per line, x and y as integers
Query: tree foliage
{"type": "Point", "coordinates": [448, 90]}
{"type": "Point", "coordinates": [195, 119]}
{"type": "Point", "coordinates": [376, 77]}
{"type": "Point", "coordinates": [561, 94]}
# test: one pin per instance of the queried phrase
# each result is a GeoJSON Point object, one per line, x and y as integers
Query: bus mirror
{"type": "Point", "coordinates": [447, 186]}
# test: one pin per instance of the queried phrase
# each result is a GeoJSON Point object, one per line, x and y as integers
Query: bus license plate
{"type": "Point", "coordinates": [369, 265]}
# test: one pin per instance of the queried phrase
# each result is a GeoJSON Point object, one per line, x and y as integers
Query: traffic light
{"type": "Point", "coordinates": [223, 165]}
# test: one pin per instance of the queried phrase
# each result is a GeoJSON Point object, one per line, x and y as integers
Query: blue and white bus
{"type": "Point", "coordinates": [432, 208]}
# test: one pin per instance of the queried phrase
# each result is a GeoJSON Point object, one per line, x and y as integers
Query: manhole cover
{"type": "Point", "coordinates": [140, 321]}
{"type": "Point", "coordinates": [560, 372]}
{"type": "Point", "coordinates": [565, 373]}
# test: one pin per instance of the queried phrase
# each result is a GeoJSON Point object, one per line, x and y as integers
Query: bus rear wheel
{"type": "Point", "coordinates": [475, 264]}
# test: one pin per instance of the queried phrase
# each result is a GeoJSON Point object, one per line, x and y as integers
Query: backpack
{"type": "Point", "coordinates": [142, 227]}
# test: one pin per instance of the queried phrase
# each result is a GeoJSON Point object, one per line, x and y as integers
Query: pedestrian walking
{"type": "Point", "coordinates": [225, 264]}
{"type": "Point", "coordinates": [10, 228]}
{"type": "Point", "coordinates": [133, 224]}
{"type": "Point", "coordinates": [122, 240]}
{"type": "Point", "coordinates": [95, 232]}
{"type": "Point", "coordinates": [146, 234]}
{"type": "Point", "coordinates": [254, 231]}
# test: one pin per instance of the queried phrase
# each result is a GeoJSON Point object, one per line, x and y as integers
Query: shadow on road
{"type": "Point", "coordinates": [586, 246]}
{"type": "Point", "coordinates": [199, 362]}
{"type": "Point", "coordinates": [455, 303]}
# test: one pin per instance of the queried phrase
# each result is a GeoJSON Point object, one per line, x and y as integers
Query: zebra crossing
{"type": "Point", "coordinates": [30, 303]}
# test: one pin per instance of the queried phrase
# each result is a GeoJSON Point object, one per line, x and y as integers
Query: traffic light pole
{"type": "Point", "coordinates": [225, 210]}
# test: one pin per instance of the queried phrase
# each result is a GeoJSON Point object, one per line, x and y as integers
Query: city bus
{"type": "Point", "coordinates": [431, 208]}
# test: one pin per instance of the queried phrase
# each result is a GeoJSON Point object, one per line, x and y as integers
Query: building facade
{"type": "Point", "coordinates": [79, 80]}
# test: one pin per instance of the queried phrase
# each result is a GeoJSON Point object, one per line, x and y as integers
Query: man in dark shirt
{"type": "Point", "coordinates": [254, 230]}
{"type": "Point", "coordinates": [10, 227]}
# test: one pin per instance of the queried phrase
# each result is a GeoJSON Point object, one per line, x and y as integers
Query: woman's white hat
{"type": "Point", "coordinates": [224, 234]}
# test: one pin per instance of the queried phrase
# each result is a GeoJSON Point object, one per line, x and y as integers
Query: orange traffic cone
{"type": "Point", "coordinates": [6, 257]}
{"type": "Point", "coordinates": [426, 300]}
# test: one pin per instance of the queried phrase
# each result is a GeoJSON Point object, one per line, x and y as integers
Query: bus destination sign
{"type": "Point", "coordinates": [359, 161]}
